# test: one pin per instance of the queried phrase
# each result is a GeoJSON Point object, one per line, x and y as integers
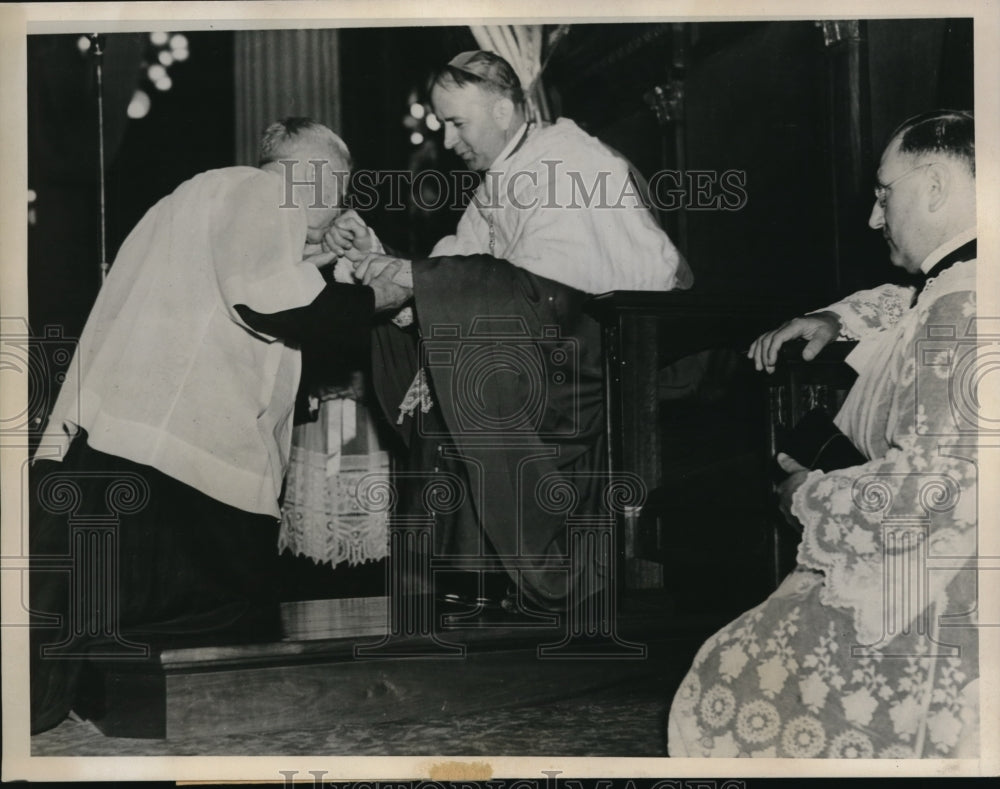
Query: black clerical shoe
{"type": "Point", "coordinates": [457, 602]}
{"type": "Point", "coordinates": [470, 591]}
{"type": "Point", "coordinates": [505, 610]}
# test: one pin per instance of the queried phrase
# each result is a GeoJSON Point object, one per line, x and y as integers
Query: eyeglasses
{"type": "Point", "coordinates": [882, 190]}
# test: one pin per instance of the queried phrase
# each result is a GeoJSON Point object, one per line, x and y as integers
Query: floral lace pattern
{"type": "Point", "coordinates": [849, 658]}
{"type": "Point", "coordinates": [321, 515]}
{"type": "Point", "coordinates": [869, 311]}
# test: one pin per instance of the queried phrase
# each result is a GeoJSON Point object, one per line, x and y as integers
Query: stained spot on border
{"type": "Point", "coordinates": [460, 771]}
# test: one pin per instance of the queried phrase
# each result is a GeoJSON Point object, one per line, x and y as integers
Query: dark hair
{"type": "Point", "coordinates": [484, 69]}
{"type": "Point", "coordinates": [951, 132]}
{"type": "Point", "coordinates": [279, 138]}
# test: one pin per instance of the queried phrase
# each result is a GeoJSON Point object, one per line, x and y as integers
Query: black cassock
{"type": "Point", "coordinates": [186, 564]}
{"type": "Point", "coordinates": [515, 374]}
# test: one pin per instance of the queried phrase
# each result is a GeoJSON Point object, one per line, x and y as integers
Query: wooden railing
{"type": "Point", "coordinates": [688, 414]}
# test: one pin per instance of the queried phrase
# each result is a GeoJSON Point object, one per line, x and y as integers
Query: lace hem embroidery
{"type": "Point", "coordinates": [419, 393]}
{"type": "Point", "coordinates": [322, 517]}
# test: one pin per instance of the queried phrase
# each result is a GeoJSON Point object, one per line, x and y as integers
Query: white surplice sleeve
{"type": "Point", "coordinates": [871, 310]}
{"type": "Point", "coordinates": [595, 248]}
{"type": "Point", "coordinates": [851, 517]}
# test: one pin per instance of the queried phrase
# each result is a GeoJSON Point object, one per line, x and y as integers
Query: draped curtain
{"type": "Point", "coordinates": [280, 73]}
{"type": "Point", "coordinates": [521, 46]}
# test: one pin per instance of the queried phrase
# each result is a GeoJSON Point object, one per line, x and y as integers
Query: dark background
{"type": "Point", "coordinates": [765, 98]}
{"type": "Point", "coordinates": [805, 119]}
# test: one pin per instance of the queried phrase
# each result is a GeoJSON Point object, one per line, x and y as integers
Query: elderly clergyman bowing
{"type": "Point", "coordinates": [184, 386]}
{"type": "Point", "coordinates": [512, 402]}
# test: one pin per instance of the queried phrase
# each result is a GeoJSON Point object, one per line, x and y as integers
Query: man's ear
{"type": "Point", "coordinates": [503, 113]}
{"type": "Point", "coordinates": [938, 186]}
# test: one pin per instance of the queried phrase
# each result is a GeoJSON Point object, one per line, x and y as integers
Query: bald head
{"type": "Point", "coordinates": [317, 164]}
{"type": "Point", "coordinates": [285, 138]}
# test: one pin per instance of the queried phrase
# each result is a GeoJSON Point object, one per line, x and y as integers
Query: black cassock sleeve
{"type": "Point", "coordinates": [339, 311]}
{"type": "Point", "coordinates": [333, 332]}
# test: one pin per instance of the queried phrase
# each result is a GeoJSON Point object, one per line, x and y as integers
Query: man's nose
{"type": "Point", "coordinates": [450, 136]}
{"type": "Point", "coordinates": [877, 218]}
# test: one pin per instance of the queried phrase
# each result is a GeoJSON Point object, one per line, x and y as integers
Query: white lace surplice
{"type": "Point", "coordinates": [849, 658]}
{"type": "Point", "coordinates": [321, 517]}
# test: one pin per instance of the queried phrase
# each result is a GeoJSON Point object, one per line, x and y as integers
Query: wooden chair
{"type": "Point", "coordinates": [688, 414]}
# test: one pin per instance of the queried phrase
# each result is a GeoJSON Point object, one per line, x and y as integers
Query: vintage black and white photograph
{"type": "Point", "coordinates": [478, 388]}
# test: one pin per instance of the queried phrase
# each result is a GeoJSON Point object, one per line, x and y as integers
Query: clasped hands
{"type": "Point", "coordinates": [348, 237]}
